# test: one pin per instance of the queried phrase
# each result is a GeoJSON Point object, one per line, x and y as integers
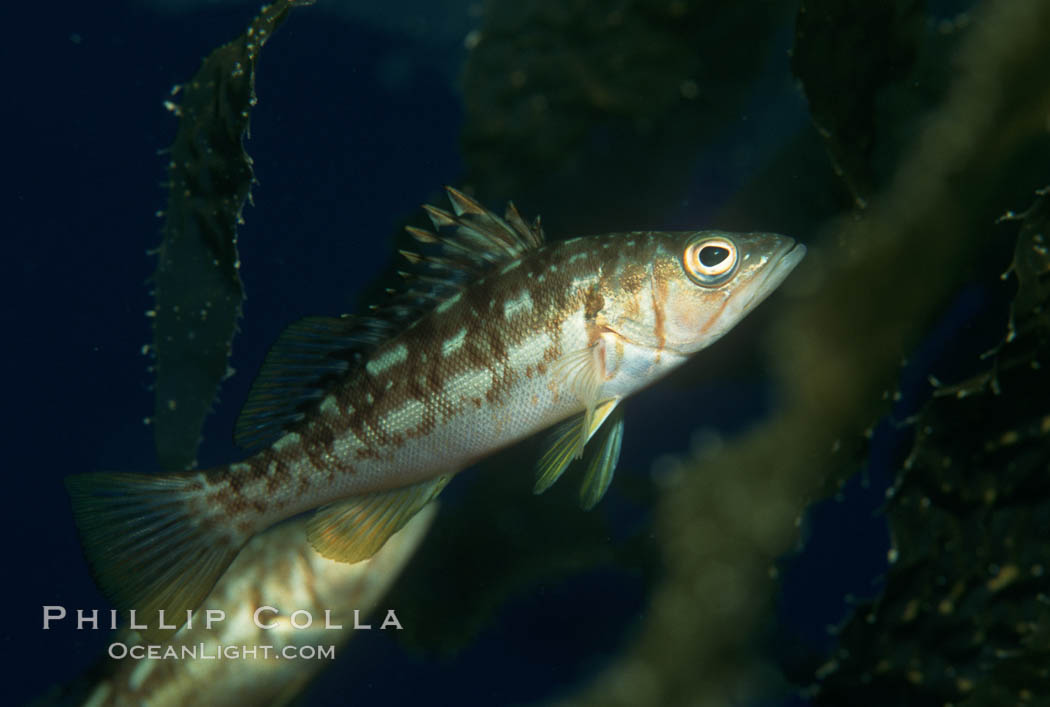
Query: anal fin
{"type": "Point", "coordinates": [355, 529]}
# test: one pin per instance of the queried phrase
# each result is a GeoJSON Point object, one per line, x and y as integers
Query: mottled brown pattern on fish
{"type": "Point", "coordinates": [318, 445]}
{"type": "Point", "coordinates": [234, 502]}
{"type": "Point", "coordinates": [364, 401]}
{"type": "Point", "coordinates": [593, 304]}
{"type": "Point", "coordinates": [633, 278]}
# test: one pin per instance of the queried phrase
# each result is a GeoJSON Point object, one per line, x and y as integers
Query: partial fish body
{"type": "Point", "coordinates": [496, 336]}
{"type": "Point", "coordinates": [278, 569]}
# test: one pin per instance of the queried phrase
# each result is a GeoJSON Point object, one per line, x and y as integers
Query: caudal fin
{"type": "Point", "coordinates": [147, 548]}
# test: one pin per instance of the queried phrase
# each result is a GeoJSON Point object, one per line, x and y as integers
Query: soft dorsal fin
{"type": "Point", "coordinates": [306, 359]}
{"type": "Point", "coordinates": [313, 353]}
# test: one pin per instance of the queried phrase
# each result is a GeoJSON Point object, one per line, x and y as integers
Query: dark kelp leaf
{"type": "Point", "coordinates": [964, 618]}
{"type": "Point", "coordinates": [845, 54]}
{"type": "Point", "coordinates": [197, 286]}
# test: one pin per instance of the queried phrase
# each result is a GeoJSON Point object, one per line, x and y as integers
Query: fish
{"type": "Point", "coordinates": [495, 335]}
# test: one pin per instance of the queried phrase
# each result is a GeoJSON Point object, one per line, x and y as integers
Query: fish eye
{"type": "Point", "coordinates": [710, 261]}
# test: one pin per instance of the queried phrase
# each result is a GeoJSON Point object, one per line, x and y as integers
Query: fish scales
{"type": "Point", "coordinates": [515, 336]}
{"type": "Point", "coordinates": [472, 379]}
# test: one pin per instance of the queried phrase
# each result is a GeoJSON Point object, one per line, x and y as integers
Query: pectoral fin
{"type": "Point", "coordinates": [567, 442]}
{"type": "Point", "coordinates": [355, 529]}
{"type": "Point", "coordinates": [582, 372]}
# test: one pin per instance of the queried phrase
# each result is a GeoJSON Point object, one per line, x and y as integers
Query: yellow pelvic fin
{"type": "Point", "coordinates": [602, 465]}
{"type": "Point", "coordinates": [355, 529]}
{"type": "Point", "coordinates": [567, 442]}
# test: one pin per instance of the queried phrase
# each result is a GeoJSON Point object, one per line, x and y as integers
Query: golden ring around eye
{"type": "Point", "coordinates": [710, 261]}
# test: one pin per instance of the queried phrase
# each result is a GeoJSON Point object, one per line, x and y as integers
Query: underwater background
{"type": "Point", "coordinates": [770, 491]}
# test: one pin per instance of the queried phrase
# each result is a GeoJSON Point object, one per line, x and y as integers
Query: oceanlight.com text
{"type": "Point", "coordinates": [214, 651]}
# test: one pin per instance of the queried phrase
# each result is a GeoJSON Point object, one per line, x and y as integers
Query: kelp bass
{"type": "Point", "coordinates": [495, 336]}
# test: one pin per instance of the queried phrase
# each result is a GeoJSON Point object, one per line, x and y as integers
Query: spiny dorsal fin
{"type": "Point", "coordinates": [313, 353]}
{"type": "Point", "coordinates": [472, 238]}
{"type": "Point", "coordinates": [355, 529]}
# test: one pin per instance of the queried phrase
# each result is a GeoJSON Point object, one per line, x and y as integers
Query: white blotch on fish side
{"type": "Point", "coordinates": [329, 406]}
{"type": "Point", "coordinates": [454, 343]}
{"type": "Point", "coordinates": [517, 305]}
{"type": "Point", "coordinates": [449, 303]}
{"type": "Point", "coordinates": [584, 283]}
{"type": "Point", "coordinates": [286, 441]}
{"type": "Point", "coordinates": [470, 384]}
{"type": "Point", "coordinates": [528, 352]}
{"type": "Point", "coordinates": [407, 417]}
{"type": "Point", "coordinates": [344, 445]}
{"type": "Point", "coordinates": [387, 359]}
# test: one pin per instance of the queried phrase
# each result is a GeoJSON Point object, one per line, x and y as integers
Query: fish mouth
{"type": "Point", "coordinates": [784, 261]}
